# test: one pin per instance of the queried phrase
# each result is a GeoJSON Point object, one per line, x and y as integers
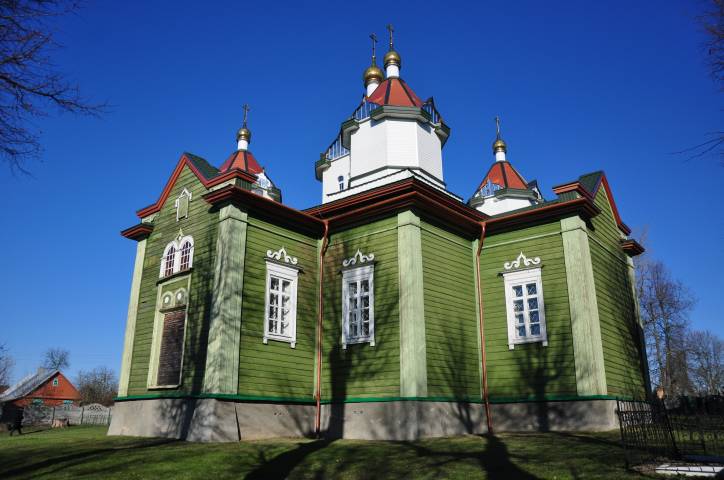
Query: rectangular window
{"type": "Point", "coordinates": [525, 309]}
{"type": "Point", "coordinates": [358, 325]}
{"type": "Point", "coordinates": [280, 314]}
{"type": "Point", "coordinates": [55, 382]}
{"type": "Point", "coordinates": [172, 344]}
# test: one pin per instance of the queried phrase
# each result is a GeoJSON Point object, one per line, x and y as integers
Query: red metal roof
{"type": "Point", "coordinates": [243, 160]}
{"type": "Point", "coordinates": [394, 91]}
{"type": "Point", "coordinates": [504, 175]}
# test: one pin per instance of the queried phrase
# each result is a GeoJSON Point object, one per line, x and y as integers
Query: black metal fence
{"type": "Point", "coordinates": [650, 431]}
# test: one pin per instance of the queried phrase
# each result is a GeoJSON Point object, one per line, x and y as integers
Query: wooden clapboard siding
{"type": "Point", "coordinates": [453, 359]}
{"type": "Point", "coordinates": [620, 331]}
{"type": "Point", "coordinates": [275, 369]}
{"type": "Point", "coordinates": [363, 370]}
{"type": "Point", "coordinates": [201, 224]}
{"type": "Point", "coordinates": [530, 369]}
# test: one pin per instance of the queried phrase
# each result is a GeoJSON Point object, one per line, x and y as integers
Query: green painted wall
{"type": "Point", "coordinates": [530, 370]}
{"type": "Point", "coordinates": [202, 225]}
{"type": "Point", "coordinates": [363, 370]}
{"type": "Point", "coordinates": [453, 355]}
{"type": "Point", "coordinates": [619, 328]}
{"type": "Point", "coordinates": [275, 369]}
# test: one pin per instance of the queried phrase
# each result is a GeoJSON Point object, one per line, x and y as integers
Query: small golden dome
{"type": "Point", "coordinates": [372, 73]}
{"type": "Point", "coordinates": [499, 146]}
{"type": "Point", "coordinates": [243, 134]}
{"type": "Point", "coordinates": [392, 58]}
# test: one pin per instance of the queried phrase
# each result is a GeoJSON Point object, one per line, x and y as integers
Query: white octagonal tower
{"type": "Point", "coordinates": [391, 135]}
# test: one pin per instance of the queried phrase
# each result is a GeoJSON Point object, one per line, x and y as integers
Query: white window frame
{"type": "Point", "coordinates": [292, 275]}
{"type": "Point", "coordinates": [157, 335]}
{"type": "Point", "coordinates": [177, 244]}
{"type": "Point", "coordinates": [366, 272]}
{"type": "Point", "coordinates": [523, 277]}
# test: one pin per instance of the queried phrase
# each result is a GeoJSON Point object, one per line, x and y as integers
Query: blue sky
{"type": "Point", "coordinates": [580, 86]}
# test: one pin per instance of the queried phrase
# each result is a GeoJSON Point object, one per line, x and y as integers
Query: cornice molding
{"type": "Point", "coordinates": [138, 232]}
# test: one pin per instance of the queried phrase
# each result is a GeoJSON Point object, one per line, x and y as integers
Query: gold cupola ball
{"type": "Point", "coordinates": [392, 58]}
{"type": "Point", "coordinates": [244, 134]}
{"type": "Point", "coordinates": [499, 146]}
{"type": "Point", "coordinates": [373, 73]}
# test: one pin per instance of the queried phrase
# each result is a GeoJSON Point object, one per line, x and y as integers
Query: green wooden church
{"type": "Point", "coordinates": [395, 309]}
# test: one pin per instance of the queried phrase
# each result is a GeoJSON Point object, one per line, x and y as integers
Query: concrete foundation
{"type": "Point", "coordinates": [212, 420]}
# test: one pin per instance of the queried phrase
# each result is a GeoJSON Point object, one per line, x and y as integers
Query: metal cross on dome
{"type": "Point", "coordinates": [497, 127]}
{"type": "Point", "coordinates": [246, 109]}
{"type": "Point", "coordinates": [374, 41]}
{"type": "Point", "coordinates": [390, 29]}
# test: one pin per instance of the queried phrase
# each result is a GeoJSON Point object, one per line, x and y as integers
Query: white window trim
{"type": "Point", "coordinates": [517, 278]}
{"type": "Point", "coordinates": [185, 192]}
{"type": "Point", "coordinates": [357, 274]}
{"type": "Point", "coordinates": [177, 244]}
{"type": "Point", "coordinates": [287, 273]}
{"type": "Point", "coordinates": [156, 339]}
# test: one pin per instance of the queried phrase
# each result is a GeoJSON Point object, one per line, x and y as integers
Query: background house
{"type": "Point", "coordinates": [45, 387]}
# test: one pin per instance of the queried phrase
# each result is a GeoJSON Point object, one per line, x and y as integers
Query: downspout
{"type": "Point", "coordinates": [318, 386]}
{"type": "Point", "coordinates": [484, 365]}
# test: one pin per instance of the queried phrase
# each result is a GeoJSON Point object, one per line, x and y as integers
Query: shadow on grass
{"type": "Point", "coordinates": [64, 461]}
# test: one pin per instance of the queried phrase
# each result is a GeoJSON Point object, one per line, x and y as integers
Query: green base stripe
{"type": "Point", "coordinates": [309, 401]}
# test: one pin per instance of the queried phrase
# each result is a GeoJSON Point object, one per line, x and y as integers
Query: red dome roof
{"type": "Point", "coordinates": [243, 160]}
{"type": "Point", "coordinates": [505, 176]}
{"type": "Point", "coordinates": [394, 91]}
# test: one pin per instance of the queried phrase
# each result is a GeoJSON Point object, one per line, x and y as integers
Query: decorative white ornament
{"type": "Point", "coordinates": [358, 258]}
{"type": "Point", "coordinates": [281, 255]}
{"type": "Point", "coordinates": [522, 259]}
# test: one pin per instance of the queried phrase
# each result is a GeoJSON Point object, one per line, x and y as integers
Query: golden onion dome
{"type": "Point", "coordinates": [499, 146]}
{"type": "Point", "coordinates": [373, 73]}
{"type": "Point", "coordinates": [244, 134]}
{"type": "Point", "coordinates": [392, 58]}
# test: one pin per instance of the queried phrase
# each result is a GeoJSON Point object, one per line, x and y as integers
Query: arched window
{"type": "Point", "coordinates": [178, 256]}
{"type": "Point", "coordinates": [169, 260]}
{"type": "Point", "coordinates": [186, 254]}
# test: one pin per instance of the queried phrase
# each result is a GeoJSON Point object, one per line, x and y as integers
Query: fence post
{"type": "Point", "coordinates": [52, 419]}
{"type": "Point", "coordinates": [82, 410]}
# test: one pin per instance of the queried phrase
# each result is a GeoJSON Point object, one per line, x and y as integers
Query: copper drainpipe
{"type": "Point", "coordinates": [318, 387]}
{"type": "Point", "coordinates": [483, 361]}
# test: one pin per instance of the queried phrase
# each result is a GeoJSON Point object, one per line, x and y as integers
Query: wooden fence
{"type": "Point", "coordinates": [93, 414]}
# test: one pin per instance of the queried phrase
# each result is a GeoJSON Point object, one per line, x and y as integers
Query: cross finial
{"type": "Point", "coordinates": [246, 112]}
{"type": "Point", "coordinates": [374, 42]}
{"type": "Point", "coordinates": [497, 127]}
{"type": "Point", "coordinates": [391, 29]}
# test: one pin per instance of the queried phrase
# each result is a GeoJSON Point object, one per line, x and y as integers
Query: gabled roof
{"type": "Point", "coordinates": [204, 171]}
{"type": "Point", "coordinates": [394, 91]}
{"type": "Point", "coordinates": [505, 176]}
{"type": "Point", "coordinates": [243, 160]}
{"type": "Point", "coordinates": [27, 385]}
{"type": "Point", "coordinates": [588, 185]}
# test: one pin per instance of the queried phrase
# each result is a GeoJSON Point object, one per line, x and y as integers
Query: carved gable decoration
{"type": "Point", "coordinates": [521, 262]}
{"type": "Point", "coordinates": [282, 256]}
{"type": "Point", "coordinates": [358, 259]}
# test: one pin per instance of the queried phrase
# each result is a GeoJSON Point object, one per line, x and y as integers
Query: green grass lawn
{"type": "Point", "coordinates": [86, 452]}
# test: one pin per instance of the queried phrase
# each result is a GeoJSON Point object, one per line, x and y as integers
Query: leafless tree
{"type": "Point", "coordinates": [712, 23]}
{"type": "Point", "coordinates": [56, 359]}
{"type": "Point", "coordinates": [706, 361]}
{"type": "Point", "coordinates": [30, 84]}
{"type": "Point", "coordinates": [97, 386]}
{"type": "Point", "coordinates": [6, 365]}
{"type": "Point", "coordinates": [665, 305]}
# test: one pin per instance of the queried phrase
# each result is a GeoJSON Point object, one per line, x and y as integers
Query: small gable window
{"type": "Point", "coordinates": [524, 303]}
{"type": "Point", "coordinates": [182, 204]}
{"type": "Point", "coordinates": [178, 256]}
{"type": "Point", "coordinates": [55, 382]}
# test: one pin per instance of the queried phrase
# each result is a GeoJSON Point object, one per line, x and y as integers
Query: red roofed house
{"type": "Point", "coordinates": [45, 387]}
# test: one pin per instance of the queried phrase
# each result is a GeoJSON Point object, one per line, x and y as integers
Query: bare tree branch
{"type": "Point", "coordinates": [56, 359]}
{"type": "Point", "coordinates": [6, 365]}
{"type": "Point", "coordinates": [97, 386]}
{"type": "Point", "coordinates": [29, 83]}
